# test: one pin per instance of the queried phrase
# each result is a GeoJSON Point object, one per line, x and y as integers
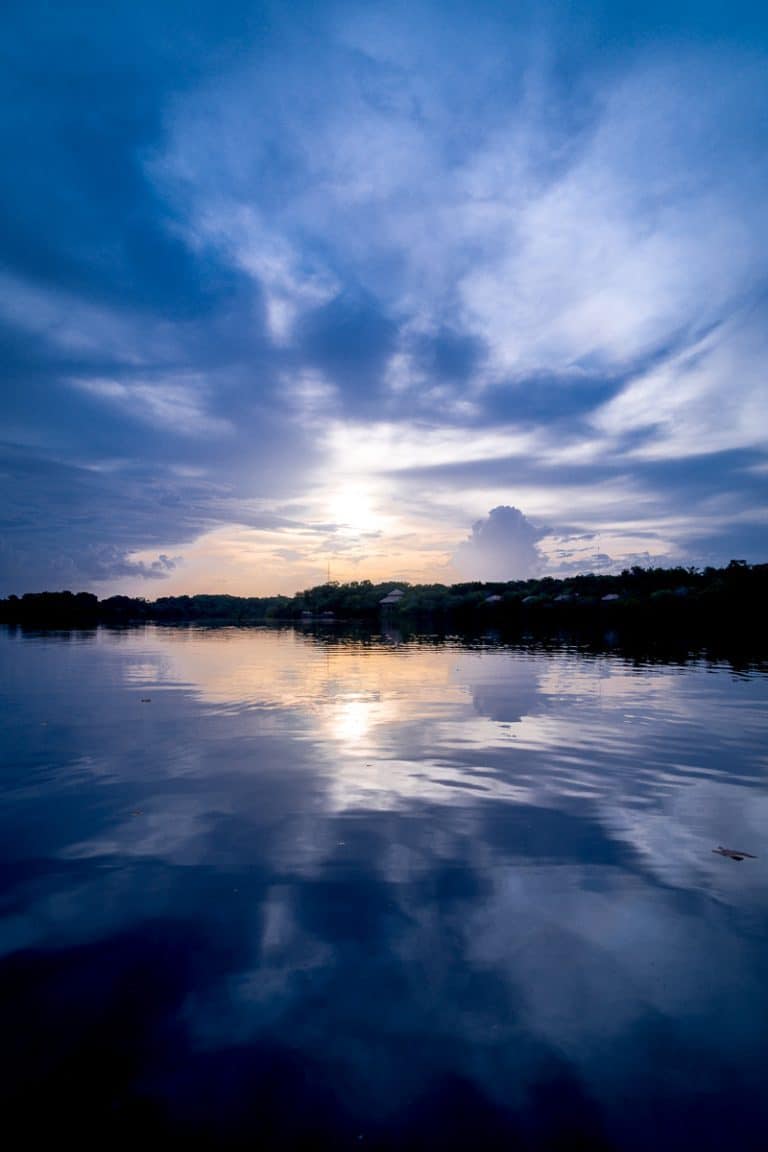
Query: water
{"type": "Point", "coordinates": [268, 889]}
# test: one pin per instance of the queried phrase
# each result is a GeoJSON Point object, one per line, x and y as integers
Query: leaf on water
{"type": "Point", "coordinates": [732, 854]}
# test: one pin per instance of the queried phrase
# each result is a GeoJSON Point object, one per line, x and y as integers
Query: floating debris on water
{"type": "Point", "coordinates": [732, 854]}
{"type": "Point", "coordinates": [146, 699]}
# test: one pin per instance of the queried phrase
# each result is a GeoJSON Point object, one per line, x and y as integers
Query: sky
{"type": "Point", "coordinates": [412, 291]}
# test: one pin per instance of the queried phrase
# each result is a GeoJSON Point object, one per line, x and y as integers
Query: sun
{"type": "Point", "coordinates": [352, 511]}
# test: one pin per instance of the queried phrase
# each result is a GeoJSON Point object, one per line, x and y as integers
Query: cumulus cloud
{"type": "Point", "coordinates": [503, 546]}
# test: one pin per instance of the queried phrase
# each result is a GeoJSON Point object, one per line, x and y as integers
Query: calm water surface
{"type": "Point", "coordinates": [266, 889]}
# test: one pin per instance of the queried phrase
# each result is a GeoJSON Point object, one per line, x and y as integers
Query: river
{"type": "Point", "coordinates": [301, 889]}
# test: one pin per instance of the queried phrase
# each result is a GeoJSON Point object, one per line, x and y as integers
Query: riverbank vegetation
{"type": "Point", "coordinates": [728, 601]}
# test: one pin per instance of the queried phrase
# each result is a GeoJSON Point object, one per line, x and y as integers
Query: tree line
{"type": "Point", "coordinates": [698, 600]}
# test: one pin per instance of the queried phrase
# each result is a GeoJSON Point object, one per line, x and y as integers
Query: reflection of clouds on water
{"type": "Point", "coordinates": [436, 722]}
{"type": "Point", "coordinates": [378, 728]}
{"type": "Point", "coordinates": [505, 691]}
{"type": "Point", "coordinates": [171, 827]}
{"type": "Point", "coordinates": [675, 838]}
{"type": "Point", "coordinates": [409, 862]}
{"type": "Point", "coordinates": [594, 960]}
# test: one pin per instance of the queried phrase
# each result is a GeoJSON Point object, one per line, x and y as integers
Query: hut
{"type": "Point", "coordinates": [391, 600]}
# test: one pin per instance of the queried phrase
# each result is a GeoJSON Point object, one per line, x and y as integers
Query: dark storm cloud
{"type": "Point", "coordinates": [350, 340]}
{"type": "Point", "coordinates": [139, 395]}
{"type": "Point", "coordinates": [449, 355]}
{"type": "Point", "coordinates": [84, 88]}
{"type": "Point", "coordinates": [75, 524]}
{"type": "Point", "coordinates": [740, 472]}
{"type": "Point", "coordinates": [546, 399]}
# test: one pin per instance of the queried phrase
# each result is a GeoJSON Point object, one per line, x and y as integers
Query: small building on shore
{"type": "Point", "coordinates": [391, 600]}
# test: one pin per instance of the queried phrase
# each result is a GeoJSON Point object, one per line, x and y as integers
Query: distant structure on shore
{"type": "Point", "coordinates": [391, 600]}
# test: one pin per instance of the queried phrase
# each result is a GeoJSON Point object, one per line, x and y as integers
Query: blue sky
{"type": "Point", "coordinates": [412, 290]}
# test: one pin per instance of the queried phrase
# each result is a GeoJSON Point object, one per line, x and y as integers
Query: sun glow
{"type": "Point", "coordinates": [352, 510]}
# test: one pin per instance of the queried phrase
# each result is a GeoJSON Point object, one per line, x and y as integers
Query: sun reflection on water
{"type": "Point", "coordinates": [350, 721]}
{"type": "Point", "coordinates": [442, 723]}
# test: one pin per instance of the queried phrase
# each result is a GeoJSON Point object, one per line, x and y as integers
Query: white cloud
{"type": "Point", "coordinates": [179, 402]}
{"type": "Point", "coordinates": [638, 238]}
{"type": "Point", "coordinates": [290, 284]}
{"type": "Point", "coordinates": [708, 398]}
{"type": "Point", "coordinates": [501, 547]}
{"type": "Point", "coordinates": [602, 244]}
